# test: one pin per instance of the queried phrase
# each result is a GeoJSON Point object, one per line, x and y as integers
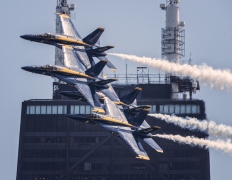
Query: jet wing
{"type": "Point", "coordinates": [67, 26]}
{"type": "Point", "coordinates": [83, 57]}
{"type": "Point", "coordinates": [90, 95]}
{"type": "Point", "coordinates": [134, 144]}
{"type": "Point", "coordinates": [150, 141]}
{"type": "Point", "coordinates": [110, 93]}
{"type": "Point", "coordinates": [109, 63]}
{"type": "Point", "coordinates": [113, 110]}
{"type": "Point", "coordinates": [70, 58]}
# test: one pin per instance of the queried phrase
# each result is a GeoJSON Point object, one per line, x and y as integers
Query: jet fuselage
{"type": "Point", "coordinates": [54, 39]}
{"type": "Point", "coordinates": [50, 70]}
{"type": "Point", "coordinates": [111, 124]}
{"type": "Point", "coordinates": [98, 118]}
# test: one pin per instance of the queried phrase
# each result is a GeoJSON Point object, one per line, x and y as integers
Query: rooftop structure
{"type": "Point", "coordinates": [54, 147]}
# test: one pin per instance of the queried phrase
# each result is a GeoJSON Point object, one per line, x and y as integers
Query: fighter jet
{"type": "Point", "coordinates": [115, 121]}
{"type": "Point", "coordinates": [84, 81]}
{"type": "Point", "coordinates": [66, 38]}
{"type": "Point", "coordinates": [54, 39]}
{"type": "Point", "coordinates": [84, 48]}
{"type": "Point", "coordinates": [126, 100]}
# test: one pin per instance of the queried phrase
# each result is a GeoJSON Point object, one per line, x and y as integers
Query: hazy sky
{"type": "Point", "coordinates": [133, 27]}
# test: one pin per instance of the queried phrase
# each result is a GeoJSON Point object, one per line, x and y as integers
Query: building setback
{"type": "Point", "coordinates": [52, 147]}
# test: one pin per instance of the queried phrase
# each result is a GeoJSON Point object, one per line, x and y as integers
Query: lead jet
{"type": "Point", "coordinates": [85, 48]}
{"type": "Point", "coordinates": [54, 39]}
{"type": "Point", "coordinates": [115, 121]}
{"type": "Point", "coordinates": [84, 81]}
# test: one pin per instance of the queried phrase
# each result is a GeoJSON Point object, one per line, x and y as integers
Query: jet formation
{"type": "Point", "coordinates": [120, 116]}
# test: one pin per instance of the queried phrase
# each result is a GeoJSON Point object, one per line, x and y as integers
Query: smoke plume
{"type": "Point", "coordinates": [209, 127]}
{"type": "Point", "coordinates": [225, 146]}
{"type": "Point", "coordinates": [215, 78]}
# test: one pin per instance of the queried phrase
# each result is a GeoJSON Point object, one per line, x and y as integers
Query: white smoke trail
{"type": "Point", "coordinates": [225, 146]}
{"type": "Point", "coordinates": [215, 78]}
{"type": "Point", "coordinates": [209, 127]}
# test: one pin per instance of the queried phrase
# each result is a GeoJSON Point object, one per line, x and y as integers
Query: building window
{"type": "Point", "coordinates": [161, 109]}
{"type": "Point", "coordinates": [87, 167]}
{"type": "Point", "coordinates": [43, 109]}
{"type": "Point", "coordinates": [182, 109]}
{"type": "Point", "coordinates": [64, 109]}
{"type": "Point", "coordinates": [60, 110]}
{"type": "Point", "coordinates": [198, 109]}
{"type": "Point", "coordinates": [153, 109]}
{"type": "Point", "coordinates": [28, 109]}
{"type": "Point", "coordinates": [47, 109]}
{"type": "Point", "coordinates": [171, 109]}
{"type": "Point", "coordinates": [188, 109]}
{"type": "Point", "coordinates": [80, 109]}
{"type": "Point", "coordinates": [54, 109]}
{"type": "Point", "coordinates": [37, 109]}
{"type": "Point", "coordinates": [87, 109]}
{"type": "Point", "coordinates": [177, 109]}
{"type": "Point", "coordinates": [32, 109]}
{"type": "Point", "coordinates": [166, 111]}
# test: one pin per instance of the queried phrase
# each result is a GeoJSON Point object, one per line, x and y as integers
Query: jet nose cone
{"type": "Point", "coordinates": [27, 68]}
{"type": "Point", "coordinates": [26, 36]}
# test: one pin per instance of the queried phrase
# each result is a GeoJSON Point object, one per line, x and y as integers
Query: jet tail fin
{"type": "Point", "coordinates": [93, 37]}
{"type": "Point", "coordinates": [131, 96]}
{"type": "Point", "coordinates": [139, 117]}
{"type": "Point", "coordinates": [148, 130]}
{"type": "Point", "coordinates": [99, 50]}
{"type": "Point", "coordinates": [109, 64]}
{"type": "Point", "coordinates": [101, 55]}
{"type": "Point", "coordinates": [96, 69]}
{"type": "Point", "coordinates": [102, 82]}
{"type": "Point", "coordinates": [133, 111]}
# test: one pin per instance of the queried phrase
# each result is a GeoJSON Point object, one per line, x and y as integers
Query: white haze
{"type": "Point", "coordinates": [225, 146]}
{"type": "Point", "coordinates": [215, 78]}
{"type": "Point", "coordinates": [209, 127]}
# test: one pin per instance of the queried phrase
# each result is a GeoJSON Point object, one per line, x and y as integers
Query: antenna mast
{"type": "Point", "coordinates": [62, 8]}
{"type": "Point", "coordinates": [172, 38]}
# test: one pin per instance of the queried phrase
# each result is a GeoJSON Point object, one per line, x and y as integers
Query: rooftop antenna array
{"type": "Point", "coordinates": [172, 38]}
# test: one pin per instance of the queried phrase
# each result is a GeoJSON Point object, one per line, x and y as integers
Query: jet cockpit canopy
{"type": "Point", "coordinates": [50, 67]}
{"type": "Point", "coordinates": [48, 35]}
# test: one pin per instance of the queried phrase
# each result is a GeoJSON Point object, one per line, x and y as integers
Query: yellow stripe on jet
{"type": "Point", "coordinates": [71, 40]}
{"type": "Point", "coordinates": [63, 15]}
{"type": "Point", "coordinates": [67, 46]}
{"type": "Point", "coordinates": [109, 119]}
{"type": "Point", "coordinates": [139, 89]}
{"type": "Point", "coordinates": [98, 110]}
{"type": "Point", "coordinates": [72, 72]}
{"type": "Point", "coordinates": [143, 157]}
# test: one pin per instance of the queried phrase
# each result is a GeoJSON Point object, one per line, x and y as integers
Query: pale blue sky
{"type": "Point", "coordinates": [133, 27]}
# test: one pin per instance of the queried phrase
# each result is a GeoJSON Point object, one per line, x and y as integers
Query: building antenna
{"type": "Point", "coordinates": [126, 73]}
{"type": "Point", "coordinates": [190, 59]}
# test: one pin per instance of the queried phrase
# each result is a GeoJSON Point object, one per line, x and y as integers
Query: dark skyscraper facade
{"type": "Point", "coordinates": [52, 147]}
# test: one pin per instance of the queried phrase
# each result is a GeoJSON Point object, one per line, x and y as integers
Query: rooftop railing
{"type": "Point", "coordinates": [138, 78]}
